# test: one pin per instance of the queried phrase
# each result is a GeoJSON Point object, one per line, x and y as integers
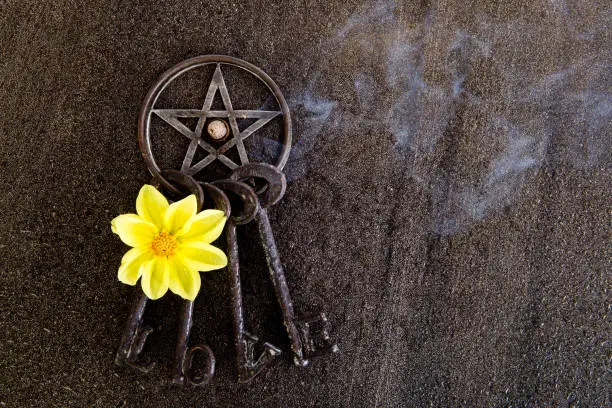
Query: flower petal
{"type": "Point", "coordinates": [179, 213]}
{"type": "Point", "coordinates": [131, 263]}
{"type": "Point", "coordinates": [184, 280]}
{"type": "Point", "coordinates": [203, 257]}
{"type": "Point", "coordinates": [205, 227]}
{"type": "Point", "coordinates": [155, 277]}
{"type": "Point", "coordinates": [133, 230]}
{"type": "Point", "coordinates": [151, 205]}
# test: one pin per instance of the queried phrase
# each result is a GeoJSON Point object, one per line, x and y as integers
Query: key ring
{"type": "Point", "coordinates": [220, 201]}
{"type": "Point", "coordinates": [276, 182]}
{"type": "Point", "coordinates": [246, 195]}
{"type": "Point", "coordinates": [186, 184]}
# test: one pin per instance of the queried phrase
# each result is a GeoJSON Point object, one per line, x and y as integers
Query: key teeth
{"type": "Point", "coordinates": [315, 337]}
{"type": "Point", "coordinates": [272, 349]}
{"type": "Point", "coordinates": [269, 349]}
{"type": "Point", "coordinates": [140, 340]}
{"type": "Point", "coordinates": [144, 367]}
{"type": "Point", "coordinates": [132, 357]}
{"type": "Point", "coordinates": [300, 361]}
{"type": "Point", "coordinates": [251, 367]}
{"type": "Point", "coordinates": [141, 366]}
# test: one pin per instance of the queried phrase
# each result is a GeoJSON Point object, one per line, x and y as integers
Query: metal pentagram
{"type": "Point", "coordinates": [218, 83]}
{"type": "Point", "coordinates": [171, 117]}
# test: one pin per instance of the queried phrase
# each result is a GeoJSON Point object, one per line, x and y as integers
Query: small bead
{"type": "Point", "coordinates": [217, 129]}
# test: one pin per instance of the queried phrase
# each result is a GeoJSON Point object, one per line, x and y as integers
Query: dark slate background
{"type": "Point", "coordinates": [448, 202]}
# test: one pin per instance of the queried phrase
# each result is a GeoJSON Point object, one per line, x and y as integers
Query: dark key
{"type": "Point", "coordinates": [310, 337]}
{"type": "Point", "coordinates": [248, 365]}
{"type": "Point", "coordinates": [184, 356]}
{"type": "Point", "coordinates": [183, 370]}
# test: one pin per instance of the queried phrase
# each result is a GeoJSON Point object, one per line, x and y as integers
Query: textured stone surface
{"type": "Point", "coordinates": [448, 202]}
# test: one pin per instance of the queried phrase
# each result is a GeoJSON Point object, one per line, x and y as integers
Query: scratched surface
{"type": "Point", "coordinates": [448, 200]}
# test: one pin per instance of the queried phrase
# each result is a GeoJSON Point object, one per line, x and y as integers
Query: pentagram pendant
{"type": "Point", "coordinates": [216, 135]}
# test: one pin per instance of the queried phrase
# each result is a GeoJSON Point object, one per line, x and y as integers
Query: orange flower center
{"type": "Point", "coordinates": [164, 244]}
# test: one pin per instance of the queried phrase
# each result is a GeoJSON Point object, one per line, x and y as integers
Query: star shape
{"type": "Point", "coordinates": [171, 117]}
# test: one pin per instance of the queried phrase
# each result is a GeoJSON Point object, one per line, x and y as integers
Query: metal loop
{"type": "Point", "coordinates": [184, 184]}
{"type": "Point", "coordinates": [275, 179]}
{"type": "Point", "coordinates": [209, 366]}
{"type": "Point", "coordinates": [220, 201]}
{"type": "Point", "coordinates": [248, 198]}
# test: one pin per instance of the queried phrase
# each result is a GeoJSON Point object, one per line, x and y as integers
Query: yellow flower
{"type": "Point", "coordinates": [171, 243]}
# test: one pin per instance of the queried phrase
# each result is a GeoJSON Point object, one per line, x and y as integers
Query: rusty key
{"type": "Point", "coordinates": [310, 337]}
{"type": "Point", "coordinates": [183, 370]}
{"type": "Point", "coordinates": [248, 365]}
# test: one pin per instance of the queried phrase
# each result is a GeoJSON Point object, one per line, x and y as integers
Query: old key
{"type": "Point", "coordinates": [248, 366]}
{"type": "Point", "coordinates": [135, 334]}
{"type": "Point", "coordinates": [311, 336]}
{"type": "Point", "coordinates": [184, 354]}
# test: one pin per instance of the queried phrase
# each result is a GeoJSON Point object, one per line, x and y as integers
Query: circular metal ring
{"type": "Point", "coordinates": [186, 184]}
{"type": "Point", "coordinates": [276, 181]}
{"type": "Point", "coordinates": [250, 203]}
{"type": "Point", "coordinates": [144, 117]}
{"type": "Point", "coordinates": [219, 198]}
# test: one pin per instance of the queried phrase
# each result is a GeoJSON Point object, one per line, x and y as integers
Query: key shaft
{"type": "Point", "coordinates": [182, 343]}
{"type": "Point", "coordinates": [248, 367]}
{"type": "Point", "coordinates": [281, 289]}
{"type": "Point", "coordinates": [234, 271]}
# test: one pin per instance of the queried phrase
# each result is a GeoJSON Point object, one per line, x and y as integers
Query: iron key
{"type": "Point", "coordinates": [248, 366]}
{"type": "Point", "coordinates": [184, 355]}
{"type": "Point", "coordinates": [310, 337]}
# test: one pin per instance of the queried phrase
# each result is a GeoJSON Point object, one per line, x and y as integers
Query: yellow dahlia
{"type": "Point", "coordinates": [171, 244]}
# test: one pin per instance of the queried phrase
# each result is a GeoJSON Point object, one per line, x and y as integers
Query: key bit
{"type": "Point", "coordinates": [252, 366]}
{"type": "Point", "coordinates": [209, 370]}
{"type": "Point", "coordinates": [315, 337]}
{"type": "Point", "coordinates": [134, 338]}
